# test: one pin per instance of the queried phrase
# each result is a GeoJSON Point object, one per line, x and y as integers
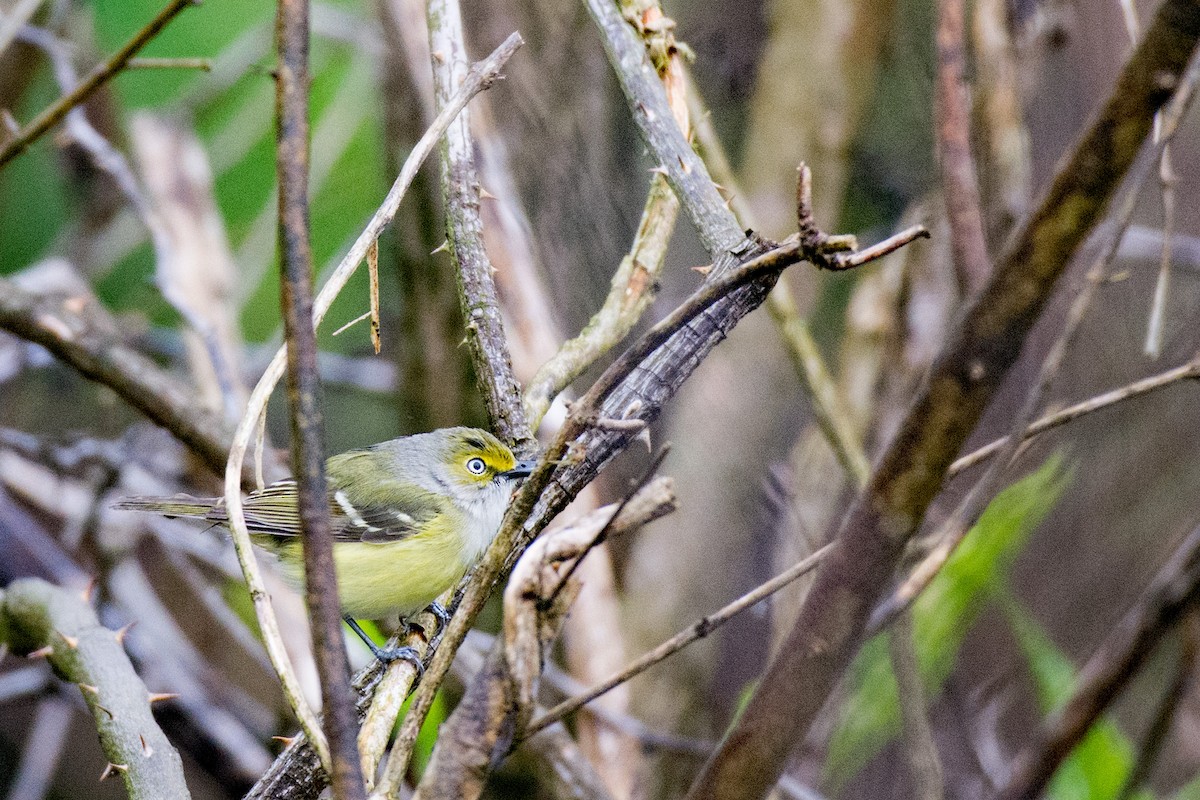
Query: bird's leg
{"type": "Point", "coordinates": [386, 654]}
{"type": "Point", "coordinates": [441, 615]}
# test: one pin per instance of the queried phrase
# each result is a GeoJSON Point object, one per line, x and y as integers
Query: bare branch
{"type": "Point", "coordinates": [464, 231]}
{"type": "Point", "coordinates": [99, 75]}
{"type": "Point", "coordinates": [303, 391]}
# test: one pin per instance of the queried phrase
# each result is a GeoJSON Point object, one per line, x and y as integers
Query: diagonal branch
{"type": "Point", "coordinates": [962, 381]}
{"type": "Point", "coordinates": [1174, 590]}
{"type": "Point", "coordinates": [79, 331]}
{"type": "Point", "coordinates": [42, 620]}
{"type": "Point", "coordinates": [99, 75]}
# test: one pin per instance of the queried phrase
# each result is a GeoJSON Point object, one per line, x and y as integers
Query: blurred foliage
{"type": "Point", "coordinates": [942, 618]}
{"type": "Point", "coordinates": [234, 120]}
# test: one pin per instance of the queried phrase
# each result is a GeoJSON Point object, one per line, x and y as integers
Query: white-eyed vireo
{"type": "Point", "coordinates": [409, 517]}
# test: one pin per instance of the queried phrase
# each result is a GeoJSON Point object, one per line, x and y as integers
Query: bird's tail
{"type": "Point", "coordinates": [178, 506]}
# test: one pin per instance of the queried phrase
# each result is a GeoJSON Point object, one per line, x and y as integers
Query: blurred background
{"type": "Point", "coordinates": [847, 86]}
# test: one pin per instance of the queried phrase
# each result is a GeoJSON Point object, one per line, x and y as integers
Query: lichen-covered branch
{"type": "Point", "coordinates": [962, 381]}
{"type": "Point", "coordinates": [39, 619]}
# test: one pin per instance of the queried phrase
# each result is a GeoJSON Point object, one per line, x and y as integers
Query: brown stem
{"type": "Point", "coordinates": [303, 389]}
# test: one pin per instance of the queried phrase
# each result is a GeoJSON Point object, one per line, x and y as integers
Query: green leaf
{"type": "Point", "coordinates": [942, 616]}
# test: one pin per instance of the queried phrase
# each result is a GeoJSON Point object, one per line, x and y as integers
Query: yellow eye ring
{"type": "Point", "coordinates": [475, 466]}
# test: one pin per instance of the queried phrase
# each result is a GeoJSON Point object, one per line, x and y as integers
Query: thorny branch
{"type": "Point", "coordinates": [40, 620]}
{"type": "Point", "coordinates": [1174, 590]}
{"type": "Point", "coordinates": [464, 230]}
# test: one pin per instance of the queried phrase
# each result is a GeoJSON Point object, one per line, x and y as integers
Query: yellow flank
{"type": "Point", "coordinates": [369, 585]}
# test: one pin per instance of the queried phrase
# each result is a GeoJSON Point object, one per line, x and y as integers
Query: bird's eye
{"type": "Point", "coordinates": [475, 466]}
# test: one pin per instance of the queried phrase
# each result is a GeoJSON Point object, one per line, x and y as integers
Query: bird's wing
{"type": "Point", "coordinates": [393, 511]}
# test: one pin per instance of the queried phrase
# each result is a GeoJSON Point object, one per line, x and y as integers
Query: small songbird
{"type": "Point", "coordinates": [409, 517]}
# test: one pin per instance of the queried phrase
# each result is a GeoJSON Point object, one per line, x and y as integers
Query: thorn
{"type": "Point", "coordinates": [484, 194]}
{"type": "Point", "coordinates": [287, 740]}
{"type": "Point", "coordinates": [41, 652]}
{"type": "Point", "coordinates": [87, 687]}
{"type": "Point", "coordinates": [687, 168]}
{"type": "Point", "coordinates": [158, 697]}
{"type": "Point", "coordinates": [438, 56]}
{"type": "Point", "coordinates": [703, 270]}
{"type": "Point", "coordinates": [108, 711]}
{"type": "Point", "coordinates": [444, 247]}
{"type": "Point", "coordinates": [147, 750]}
{"type": "Point", "coordinates": [89, 591]}
{"type": "Point", "coordinates": [110, 768]}
{"type": "Point", "coordinates": [659, 171]}
{"type": "Point", "coordinates": [10, 122]}
{"type": "Point", "coordinates": [121, 632]}
{"type": "Point", "coordinates": [72, 641]}
{"type": "Point", "coordinates": [644, 436]}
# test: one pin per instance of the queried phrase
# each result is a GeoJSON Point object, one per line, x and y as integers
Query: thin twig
{"type": "Point", "coordinates": [1189, 371]}
{"type": "Point", "coordinates": [99, 75]}
{"type": "Point", "coordinates": [697, 630]}
{"type": "Point", "coordinates": [303, 392]}
{"type": "Point", "coordinates": [1150, 748]}
{"type": "Point", "coordinates": [482, 75]}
